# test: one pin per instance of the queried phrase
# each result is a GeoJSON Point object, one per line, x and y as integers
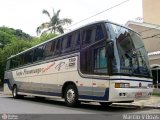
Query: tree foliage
{"type": "Point", "coordinates": [7, 35]}
{"type": "Point", "coordinates": [14, 41]}
{"type": "Point", "coordinates": [55, 24]}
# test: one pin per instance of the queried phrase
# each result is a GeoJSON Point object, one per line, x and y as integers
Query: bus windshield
{"type": "Point", "coordinates": [131, 57]}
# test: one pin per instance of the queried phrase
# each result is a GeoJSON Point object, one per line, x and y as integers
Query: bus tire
{"type": "Point", "coordinates": [39, 98]}
{"type": "Point", "coordinates": [105, 104]}
{"type": "Point", "coordinates": [15, 93]}
{"type": "Point", "coordinates": [71, 96]}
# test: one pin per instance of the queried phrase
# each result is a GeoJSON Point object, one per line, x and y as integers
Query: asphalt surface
{"type": "Point", "coordinates": [31, 108]}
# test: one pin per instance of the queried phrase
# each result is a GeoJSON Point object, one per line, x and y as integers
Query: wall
{"type": "Point", "coordinates": [151, 11]}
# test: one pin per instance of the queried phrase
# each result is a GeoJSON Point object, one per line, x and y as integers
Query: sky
{"type": "Point", "coordinates": [27, 14]}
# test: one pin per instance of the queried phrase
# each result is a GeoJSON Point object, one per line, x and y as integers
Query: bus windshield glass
{"type": "Point", "coordinates": [131, 57]}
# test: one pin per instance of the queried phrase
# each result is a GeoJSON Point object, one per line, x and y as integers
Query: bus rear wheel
{"type": "Point", "coordinates": [15, 92]}
{"type": "Point", "coordinates": [71, 96]}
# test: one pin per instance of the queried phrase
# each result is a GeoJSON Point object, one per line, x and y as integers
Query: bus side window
{"type": "Point", "coordinates": [76, 41]}
{"type": "Point", "coordinates": [58, 46]}
{"type": "Point", "coordinates": [93, 60]}
{"type": "Point", "coordinates": [99, 33]}
{"type": "Point", "coordinates": [38, 53]}
{"type": "Point", "coordinates": [88, 36]}
{"type": "Point", "coordinates": [50, 49]}
{"type": "Point", "coordinates": [8, 64]}
{"type": "Point", "coordinates": [67, 43]}
{"type": "Point", "coordinates": [100, 60]}
{"type": "Point", "coordinates": [14, 62]}
{"type": "Point", "coordinates": [28, 57]}
{"type": "Point", "coordinates": [21, 60]}
{"type": "Point", "coordinates": [18, 58]}
{"type": "Point", "coordinates": [86, 61]}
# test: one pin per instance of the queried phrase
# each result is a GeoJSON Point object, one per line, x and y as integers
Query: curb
{"type": "Point", "coordinates": [150, 106]}
{"type": "Point", "coordinates": [128, 106]}
{"type": "Point", "coordinates": [136, 106]}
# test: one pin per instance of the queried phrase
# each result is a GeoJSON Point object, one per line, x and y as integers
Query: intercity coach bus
{"type": "Point", "coordinates": [102, 62]}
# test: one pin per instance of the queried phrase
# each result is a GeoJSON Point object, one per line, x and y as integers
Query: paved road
{"type": "Point", "coordinates": [30, 105]}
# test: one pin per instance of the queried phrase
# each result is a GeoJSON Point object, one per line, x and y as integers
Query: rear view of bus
{"type": "Point", "coordinates": [130, 76]}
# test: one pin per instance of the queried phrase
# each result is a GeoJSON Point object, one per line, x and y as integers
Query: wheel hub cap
{"type": "Point", "coordinates": [70, 95]}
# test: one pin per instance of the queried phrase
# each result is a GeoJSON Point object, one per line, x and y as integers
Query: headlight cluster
{"type": "Point", "coordinates": [122, 85]}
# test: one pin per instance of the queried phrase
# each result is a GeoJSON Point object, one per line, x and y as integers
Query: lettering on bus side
{"type": "Point", "coordinates": [72, 59]}
{"type": "Point", "coordinates": [19, 73]}
{"type": "Point", "coordinates": [72, 62]}
{"type": "Point", "coordinates": [34, 71]}
{"type": "Point", "coordinates": [27, 72]}
{"type": "Point", "coordinates": [59, 66]}
{"type": "Point", "coordinates": [48, 67]}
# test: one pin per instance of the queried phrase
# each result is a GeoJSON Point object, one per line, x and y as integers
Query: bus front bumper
{"type": "Point", "coordinates": [129, 94]}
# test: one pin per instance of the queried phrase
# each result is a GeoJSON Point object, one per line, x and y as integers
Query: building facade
{"type": "Point", "coordinates": [151, 38]}
{"type": "Point", "coordinates": [151, 11]}
{"type": "Point", "coordinates": [149, 30]}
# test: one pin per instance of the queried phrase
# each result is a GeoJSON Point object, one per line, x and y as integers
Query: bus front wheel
{"type": "Point", "coordinates": [71, 96]}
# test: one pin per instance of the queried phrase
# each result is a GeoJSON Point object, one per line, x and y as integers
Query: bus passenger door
{"type": "Point", "coordinates": [93, 60]}
{"type": "Point", "coordinates": [101, 80]}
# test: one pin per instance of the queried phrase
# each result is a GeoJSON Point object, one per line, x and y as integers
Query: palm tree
{"type": "Point", "coordinates": [55, 24]}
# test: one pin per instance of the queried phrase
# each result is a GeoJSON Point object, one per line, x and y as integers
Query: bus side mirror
{"type": "Point", "coordinates": [110, 49]}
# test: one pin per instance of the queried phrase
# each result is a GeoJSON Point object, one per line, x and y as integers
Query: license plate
{"type": "Point", "coordinates": [138, 94]}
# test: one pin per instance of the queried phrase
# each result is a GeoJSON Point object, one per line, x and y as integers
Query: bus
{"type": "Point", "coordinates": [102, 62]}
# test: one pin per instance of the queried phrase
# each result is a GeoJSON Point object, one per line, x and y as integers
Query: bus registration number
{"type": "Point", "coordinates": [138, 94]}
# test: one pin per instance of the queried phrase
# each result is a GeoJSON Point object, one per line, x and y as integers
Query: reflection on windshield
{"type": "Point", "coordinates": [132, 55]}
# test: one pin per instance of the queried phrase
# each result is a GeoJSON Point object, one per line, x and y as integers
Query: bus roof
{"type": "Point", "coordinates": [102, 21]}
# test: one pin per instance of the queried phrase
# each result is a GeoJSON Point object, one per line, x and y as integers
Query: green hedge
{"type": "Point", "coordinates": [156, 94]}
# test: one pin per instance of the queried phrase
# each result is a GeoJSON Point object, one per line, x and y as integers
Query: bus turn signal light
{"type": "Point", "coordinates": [122, 85]}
